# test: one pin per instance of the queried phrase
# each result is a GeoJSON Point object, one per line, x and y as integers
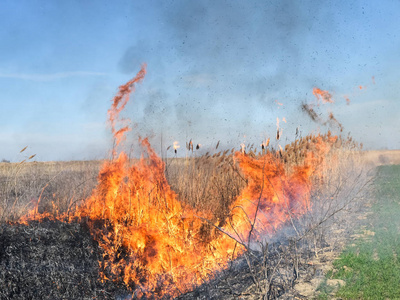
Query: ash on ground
{"type": "Point", "coordinates": [52, 260]}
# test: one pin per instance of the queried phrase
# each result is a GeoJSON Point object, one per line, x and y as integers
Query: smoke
{"type": "Point", "coordinates": [232, 38]}
{"type": "Point", "coordinates": [135, 55]}
{"type": "Point", "coordinates": [219, 66]}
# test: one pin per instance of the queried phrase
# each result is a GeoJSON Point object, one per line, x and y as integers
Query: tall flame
{"type": "Point", "coordinates": [274, 194]}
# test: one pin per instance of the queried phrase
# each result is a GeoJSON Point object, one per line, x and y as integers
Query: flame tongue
{"type": "Point", "coordinates": [322, 95]}
{"type": "Point", "coordinates": [164, 242]}
{"type": "Point", "coordinates": [275, 193]}
{"type": "Point", "coordinates": [119, 102]}
{"type": "Point", "coordinates": [271, 197]}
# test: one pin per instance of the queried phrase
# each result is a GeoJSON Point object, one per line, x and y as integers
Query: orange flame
{"type": "Point", "coordinates": [274, 195]}
{"type": "Point", "coordinates": [119, 102]}
{"type": "Point", "coordinates": [322, 95]}
{"type": "Point", "coordinates": [144, 219]}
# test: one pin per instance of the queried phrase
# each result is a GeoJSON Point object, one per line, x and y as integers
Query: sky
{"type": "Point", "coordinates": [216, 71]}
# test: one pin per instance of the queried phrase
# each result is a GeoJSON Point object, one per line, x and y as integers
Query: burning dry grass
{"type": "Point", "coordinates": [213, 182]}
{"type": "Point", "coordinates": [279, 261]}
{"type": "Point", "coordinates": [162, 240]}
{"type": "Point", "coordinates": [135, 216]}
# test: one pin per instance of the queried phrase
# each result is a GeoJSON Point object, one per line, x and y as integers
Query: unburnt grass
{"type": "Point", "coordinates": [53, 186]}
{"type": "Point", "coordinates": [370, 266]}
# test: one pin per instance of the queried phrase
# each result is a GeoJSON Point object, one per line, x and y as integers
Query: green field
{"type": "Point", "coordinates": [371, 266]}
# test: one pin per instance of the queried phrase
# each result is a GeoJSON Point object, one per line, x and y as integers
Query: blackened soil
{"type": "Point", "coordinates": [52, 260]}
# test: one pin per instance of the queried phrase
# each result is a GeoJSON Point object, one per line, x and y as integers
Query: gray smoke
{"type": "Point", "coordinates": [216, 55]}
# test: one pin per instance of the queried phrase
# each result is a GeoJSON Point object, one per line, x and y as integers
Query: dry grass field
{"type": "Point", "coordinates": [382, 157]}
{"type": "Point", "coordinates": [208, 182]}
{"type": "Point", "coordinates": [56, 185]}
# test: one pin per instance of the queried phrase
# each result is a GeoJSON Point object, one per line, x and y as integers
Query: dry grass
{"type": "Point", "coordinates": [55, 184]}
{"type": "Point", "coordinates": [207, 183]}
{"type": "Point", "coordinates": [210, 182]}
{"type": "Point", "coordinates": [382, 157]}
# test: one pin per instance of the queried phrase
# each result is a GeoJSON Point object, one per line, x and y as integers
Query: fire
{"type": "Point", "coordinates": [271, 197]}
{"type": "Point", "coordinates": [157, 245]}
{"type": "Point", "coordinates": [119, 102]}
{"type": "Point", "coordinates": [143, 218]}
{"type": "Point", "coordinates": [322, 95]}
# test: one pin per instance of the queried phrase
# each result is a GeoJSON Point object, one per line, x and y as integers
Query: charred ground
{"type": "Point", "coordinates": [51, 260]}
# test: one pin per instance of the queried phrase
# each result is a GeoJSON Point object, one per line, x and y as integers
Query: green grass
{"type": "Point", "coordinates": [371, 267]}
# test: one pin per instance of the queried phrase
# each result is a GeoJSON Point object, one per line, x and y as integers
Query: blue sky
{"type": "Point", "coordinates": [216, 70]}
